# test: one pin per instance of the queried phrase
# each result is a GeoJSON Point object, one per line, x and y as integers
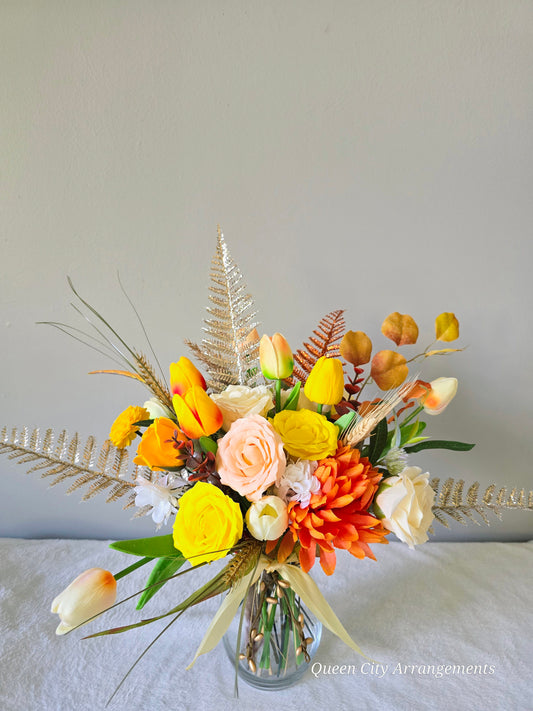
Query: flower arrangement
{"type": "Point", "coordinates": [270, 458]}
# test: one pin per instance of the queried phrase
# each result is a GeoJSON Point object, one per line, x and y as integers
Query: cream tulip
{"type": "Point", "coordinates": [439, 397]}
{"type": "Point", "coordinates": [90, 593]}
{"type": "Point", "coordinates": [267, 518]}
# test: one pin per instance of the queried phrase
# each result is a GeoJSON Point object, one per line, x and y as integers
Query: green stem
{"type": "Point", "coordinates": [319, 408]}
{"type": "Point", "coordinates": [413, 414]}
{"type": "Point", "coordinates": [278, 395]}
{"type": "Point", "coordinates": [131, 568]}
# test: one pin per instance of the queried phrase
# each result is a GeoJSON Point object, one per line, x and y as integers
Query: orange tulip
{"type": "Point", "coordinates": [160, 446]}
{"type": "Point", "coordinates": [183, 375]}
{"type": "Point", "coordinates": [197, 414]}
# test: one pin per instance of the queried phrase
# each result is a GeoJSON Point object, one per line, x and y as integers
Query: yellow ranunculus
{"type": "Point", "coordinates": [207, 524]}
{"type": "Point", "coordinates": [306, 434]}
{"type": "Point", "coordinates": [325, 383]}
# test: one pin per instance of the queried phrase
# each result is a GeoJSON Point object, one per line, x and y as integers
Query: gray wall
{"type": "Point", "coordinates": [373, 156]}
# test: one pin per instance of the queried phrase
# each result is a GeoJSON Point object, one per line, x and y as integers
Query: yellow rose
{"type": "Point", "coordinates": [306, 434]}
{"type": "Point", "coordinates": [207, 524]}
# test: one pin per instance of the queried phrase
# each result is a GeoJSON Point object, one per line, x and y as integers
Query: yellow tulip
{"type": "Point", "coordinates": [275, 356]}
{"type": "Point", "coordinates": [325, 383]}
{"type": "Point", "coordinates": [90, 593]}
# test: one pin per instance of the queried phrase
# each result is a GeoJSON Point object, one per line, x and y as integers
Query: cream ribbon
{"type": "Point", "coordinates": [302, 584]}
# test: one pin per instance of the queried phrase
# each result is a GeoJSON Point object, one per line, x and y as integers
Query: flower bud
{"type": "Point", "coordinates": [325, 383]}
{"type": "Point", "coordinates": [439, 397]}
{"type": "Point", "coordinates": [267, 518]}
{"type": "Point", "coordinates": [183, 375]}
{"type": "Point", "coordinates": [275, 356]}
{"type": "Point", "coordinates": [90, 593]}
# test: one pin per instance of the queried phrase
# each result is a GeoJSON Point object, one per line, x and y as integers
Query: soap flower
{"type": "Point", "coordinates": [306, 434]}
{"type": "Point", "coordinates": [440, 395]}
{"type": "Point", "coordinates": [250, 457]}
{"type": "Point", "coordinates": [267, 518]}
{"type": "Point", "coordinates": [275, 357]}
{"type": "Point", "coordinates": [238, 401]}
{"type": "Point", "coordinates": [298, 482]}
{"type": "Point", "coordinates": [404, 503]}
{"type": "Point", "coordinates": [124, 429]}
{"type": "Point", "coordinates": [208, 524]}
{"type": "Point", "coordinates": [337, 516]}
{"type": "Point", "coordinates": [92, 592]}
{"type": "Point", "coordinates": [183, 375]}
{"type": "Point", "coordinates": [159, 495]}
{"type": "Point", "coordinates": [162, 446]}
{"type": "Point", "coordinates": [325, 382]}
{"type": "Point", "coordinates": [198, 415]}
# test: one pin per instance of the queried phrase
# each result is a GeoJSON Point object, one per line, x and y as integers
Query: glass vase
{"type": "Point", "coordinates": [274, 636]}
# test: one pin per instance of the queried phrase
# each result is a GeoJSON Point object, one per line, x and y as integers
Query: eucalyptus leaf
{"type": "Point", "coordinates": [154, 547]}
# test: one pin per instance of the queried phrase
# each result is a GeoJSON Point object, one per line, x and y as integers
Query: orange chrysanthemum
{"type": "Point", "coordinates": [337, 517]}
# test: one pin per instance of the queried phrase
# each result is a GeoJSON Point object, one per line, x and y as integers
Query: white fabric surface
{"type": "Point", "coordinates": [443, 604]}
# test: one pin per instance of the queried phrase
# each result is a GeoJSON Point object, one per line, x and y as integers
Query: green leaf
{"type": "Point", "coordinates": [143, 423]}
{"type": "Point", "coordinates": [208, 444]}
{"type": "Point", "coordinates": [378, 440]}
{"type": "Point", "coordinates": [291, 403]}
{"type": "Point", "coordinates": [154, 547]}
{"type": "Point", "coordinates": [164, 568]}
{"type": "Point", "coordinates": [441, 444]}
{"type": "Point", "coordinates": [344, 421]}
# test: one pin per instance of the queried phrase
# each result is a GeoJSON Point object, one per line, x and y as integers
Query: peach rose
{"type": "Point", "coordinates": [250, 457]}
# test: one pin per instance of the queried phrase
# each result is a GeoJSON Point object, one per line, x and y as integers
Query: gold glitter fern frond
{"type": "Point", "coordinates": [61, 457]}
{"type": "Point", "coordinates": [452, 502]}
{"type": "Point", "coordinates": [230, 349]}
{"type": "Point", "coordinates": [323, 342]}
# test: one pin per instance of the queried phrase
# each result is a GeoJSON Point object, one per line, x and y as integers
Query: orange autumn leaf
{"type": "Point", "coordinates": [389, 369]}
{"type": "Point", "coordinates": [417, 389]}
{"type": "Point", "coordinates": [446, 327]}
{"type": "Point", "coordinates": [356, 347]}
{"type": "Point", "coordinates": [400, 328]}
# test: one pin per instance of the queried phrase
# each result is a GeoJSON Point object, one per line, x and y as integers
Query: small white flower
{"type": "Point", "coordinates": [298, 483]}
{"type": "Point", "coordinates": [159, 494]}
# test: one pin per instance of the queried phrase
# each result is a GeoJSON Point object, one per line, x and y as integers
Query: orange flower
{"type": "Point", "coordinates": [161, 446]}
{"type": "Point", "coordinates": [124, 430]}
{"type": "Point", "coordinates": [184, 375]}
{"type": "Point", "coordinates": [198, 415]}
{"type": "Point", "coordinates": [337, 517]}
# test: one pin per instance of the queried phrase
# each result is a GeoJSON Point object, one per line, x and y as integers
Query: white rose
{"type": "Point", "coordinates": [299, 479]}
{"type": "Point", "coordinates": [406, 503]}
{"type": "Point", "coordinates": [156, 409]}
{"type": "Point", "coordinates": [238, 401]}
{"type": "Point", "coordinates": [267, 518]}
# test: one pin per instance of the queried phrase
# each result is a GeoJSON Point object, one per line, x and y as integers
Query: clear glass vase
{"type": "Point", "coordinates": [278, 635]}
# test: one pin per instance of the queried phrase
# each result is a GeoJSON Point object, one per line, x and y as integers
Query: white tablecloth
{"type": "Point", "coordinates": [463, 604]}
